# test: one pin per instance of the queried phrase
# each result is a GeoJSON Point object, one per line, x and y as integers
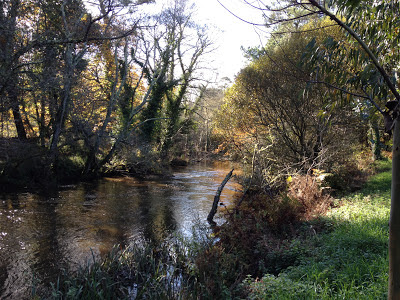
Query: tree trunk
{"type": "Point", "coordinates": [394, 224]}
{"type": "Point", "coordinates": [19, 124]}
{"type": "Point", "coordinates": [62, 109]}
{"type": "Point", "coordinates": [375, 140]}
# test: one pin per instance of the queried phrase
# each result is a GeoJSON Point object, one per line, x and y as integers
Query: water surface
{"type": "Point", "coordinates": [40, 235]}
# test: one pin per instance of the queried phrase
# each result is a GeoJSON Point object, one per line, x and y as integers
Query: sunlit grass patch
{"type": "Point", "coordinates": [379, 185]}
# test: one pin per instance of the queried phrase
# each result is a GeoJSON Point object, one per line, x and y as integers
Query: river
{"type": "Point", "coordinates": [41, 235]}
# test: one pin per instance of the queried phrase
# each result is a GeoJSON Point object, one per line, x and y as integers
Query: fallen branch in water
{"type": "Point", "coordinates": [216, 199]}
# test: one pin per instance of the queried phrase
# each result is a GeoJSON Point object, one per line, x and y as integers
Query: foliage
{"type": "Point", "coordinates": [203, 139]}
{"type": "Point", "coordinates": [73, 78]}
{"type": "Point", "coordinates": [306, 190]}
{"type": "Point", "coordinates": [360, 73]}
{"type": "Point", "coordinates": [350, 175]}
{"type": "Point", "coordinates": [23, 164]}
{"type": "Point", "coordinates": [173, 61]}
{"type": "Point", "coordinates": [270, 122]}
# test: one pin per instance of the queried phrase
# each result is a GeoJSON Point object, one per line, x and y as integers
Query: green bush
{"type": "Point", "coordinates": [70, 167]}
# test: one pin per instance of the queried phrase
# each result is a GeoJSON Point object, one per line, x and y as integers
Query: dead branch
{"type": "Point", "coordinates": [216, 199]}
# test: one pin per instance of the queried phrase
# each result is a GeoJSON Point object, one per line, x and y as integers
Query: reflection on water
{"type": "Point", "coordinates": [39, 235]}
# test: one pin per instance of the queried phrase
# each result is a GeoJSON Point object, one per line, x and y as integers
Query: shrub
{"type": "Point", "coordinates": [261, 237]}
{"type": "Point", "coordinates": [350, 175]}
{"type": "Point", "coordinates": [345, 178]}
{"type": "Point", "coordinates": [23, 164]}
{"type": "Point", "coordinates": [310, 198]}
{"type": "Point", "coordinates": [70, 167]}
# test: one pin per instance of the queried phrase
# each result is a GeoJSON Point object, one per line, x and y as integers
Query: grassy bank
{"type": "Point", "coordinates": [349, 260]}
{"type": "Point", "coordinates": [273, 248]}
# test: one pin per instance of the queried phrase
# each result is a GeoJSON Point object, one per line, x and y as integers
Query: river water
{"type": "Point", "coordinates": [40, 235]}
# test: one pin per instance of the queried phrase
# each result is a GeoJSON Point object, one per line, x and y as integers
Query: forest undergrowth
{"type": "Point", "coordinates": [298, 244]}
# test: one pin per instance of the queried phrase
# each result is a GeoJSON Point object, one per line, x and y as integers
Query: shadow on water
{"type": "Point", "coordinates": [40, 235]}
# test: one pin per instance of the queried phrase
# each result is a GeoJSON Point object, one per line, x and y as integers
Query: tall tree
{"type": "Point", "coordinates": [113, 85]}
{"type": "Point", "coordinates": [175, 58]}
{"type": "Point", "coordinates": [79, 31]}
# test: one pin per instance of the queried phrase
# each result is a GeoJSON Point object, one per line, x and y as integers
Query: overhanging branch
{"type": "Point", "coordinates": [362, 44]}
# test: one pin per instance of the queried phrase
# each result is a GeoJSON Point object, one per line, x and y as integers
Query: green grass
{"type": "Point", "coordinates": [348, 262]}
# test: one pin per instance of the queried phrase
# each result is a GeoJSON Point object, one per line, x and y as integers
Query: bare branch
{"type": "Point", "coordinates": [236, 16]}
{"type": "Point", "coordinates": [303, 31]}
{"type": "Point", "coordinates": [373, 102]}
{"type": "Point", "coordinates": [339, 89]}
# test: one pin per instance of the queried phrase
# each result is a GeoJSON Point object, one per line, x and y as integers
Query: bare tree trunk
{"type": "Point", "coordinates": [92, 164]}
{"type": "Point", "coordinates": [394, 224]}
{"type": "Point", "coordinates": [216, 199]}
{"type": "Point", "coordinates": [375, 139]}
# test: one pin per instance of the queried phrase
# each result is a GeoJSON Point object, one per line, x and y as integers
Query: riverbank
{"type": "Point", "coordinates": [261, 253]}
{"type": "Point", "coordinates": [25, 167]}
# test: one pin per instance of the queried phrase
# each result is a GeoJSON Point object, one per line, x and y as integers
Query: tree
{"type": "Point", "coordinates": [297, 131]}
{"type": "Point", "coordinates": [12, 48]}
{"type": "Point", "coordinates": [171, 52]}
{"type": "Point", "coordinates": [209, 104]}
{"type": "Point", "coordinates": [41, 64]}
{"type": "Point", "coordinates": [372, 27]}
{"type": "Point", "coordinates": [81, 82]}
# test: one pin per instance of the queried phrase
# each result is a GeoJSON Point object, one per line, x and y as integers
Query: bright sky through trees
{"type": "Point", "coordinates": [227, 31]}
{"type": "Point", "coordinates": [233, 33]}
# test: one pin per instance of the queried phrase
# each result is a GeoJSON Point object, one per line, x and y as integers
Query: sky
{"type": "Point", "coordinates": [231, 33]}
{"type": "Point", "coordinates": [227, 32]}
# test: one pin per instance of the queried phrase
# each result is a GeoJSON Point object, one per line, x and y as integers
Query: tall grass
{"type": "Point", "coordinates": [140, 271]}
{"type": "Point", "coordinates": [349, 261]}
